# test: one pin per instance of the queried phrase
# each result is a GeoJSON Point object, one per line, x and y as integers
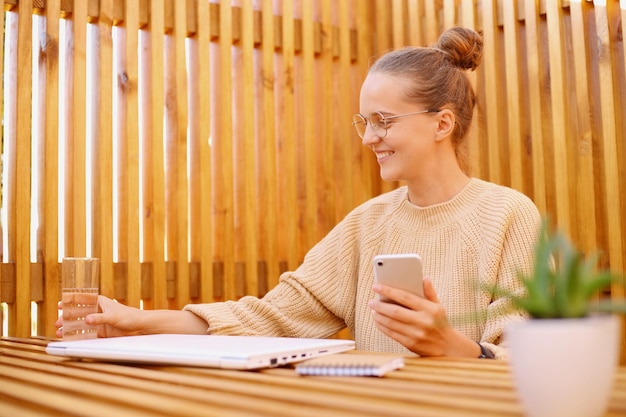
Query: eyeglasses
{"type": "Point", "coordinates": [379, 122]}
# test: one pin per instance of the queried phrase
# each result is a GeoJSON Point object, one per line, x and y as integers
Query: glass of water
{"type": "Point", "coordinates": [81, 278]}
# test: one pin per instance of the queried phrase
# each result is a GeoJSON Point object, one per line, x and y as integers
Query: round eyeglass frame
{"type": "Point", "coordinates": [360, 122]}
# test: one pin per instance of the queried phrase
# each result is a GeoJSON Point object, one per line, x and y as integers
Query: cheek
{"type": "Point", "coordinates": [412, 132]}
{"type": "Point", "coordinates": [414, 144]}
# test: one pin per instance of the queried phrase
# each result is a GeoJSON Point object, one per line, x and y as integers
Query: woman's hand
{"type": "Point", "coordinates": [419, 324]}
{"type": "Point", "coordinates": [115, 319]}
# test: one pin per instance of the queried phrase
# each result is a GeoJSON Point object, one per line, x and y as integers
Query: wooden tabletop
{"type": "Point", "coordinates": [33, 383]}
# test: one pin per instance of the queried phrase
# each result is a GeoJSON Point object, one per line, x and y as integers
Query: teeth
{"type": "Point", "coordinates": [380, 155]}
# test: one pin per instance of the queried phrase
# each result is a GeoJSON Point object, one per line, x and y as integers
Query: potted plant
{"type": "Point", "coordinates": [563, 358]}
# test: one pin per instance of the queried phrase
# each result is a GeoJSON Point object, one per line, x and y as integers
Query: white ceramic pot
{"type": "Point", "coordinates": [564, 367]}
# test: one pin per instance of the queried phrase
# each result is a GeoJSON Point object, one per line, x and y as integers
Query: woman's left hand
{"type": "Point", "coordinates": [419, 324]}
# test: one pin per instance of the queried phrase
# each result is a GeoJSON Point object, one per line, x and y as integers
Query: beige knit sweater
{"type": "Point", "coordinates": [484, 234]}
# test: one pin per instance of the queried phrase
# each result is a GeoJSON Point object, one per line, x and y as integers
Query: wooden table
{"type": "Point", "coordinates": [33, 383]}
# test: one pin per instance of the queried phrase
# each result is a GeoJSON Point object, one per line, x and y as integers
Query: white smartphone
{"type": "Point", "coordinates": [402, 271]}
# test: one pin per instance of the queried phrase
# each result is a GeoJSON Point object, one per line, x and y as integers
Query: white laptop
{"type": "Point", "coordinates": [228, 352]}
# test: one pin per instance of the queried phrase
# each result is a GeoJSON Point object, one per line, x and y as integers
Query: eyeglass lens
{"type": "Point", "coordinates": [376, 121]}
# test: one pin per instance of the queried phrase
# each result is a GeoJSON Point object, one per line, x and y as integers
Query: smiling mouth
{"type": "Point", "coordinates": [382, 155]}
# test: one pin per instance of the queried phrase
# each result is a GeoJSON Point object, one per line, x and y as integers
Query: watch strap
{"type": "Point", "coordinates": [485, 353]}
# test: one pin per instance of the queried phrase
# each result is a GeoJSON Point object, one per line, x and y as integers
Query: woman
{"type": "Point", "coordinates": [416, 108]}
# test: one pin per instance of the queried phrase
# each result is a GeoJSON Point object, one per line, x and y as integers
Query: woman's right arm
{"type": "Point", "coordinates": [115, 319]}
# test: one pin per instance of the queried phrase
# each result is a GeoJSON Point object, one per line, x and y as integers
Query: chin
{"type": "Point", "coordinates": [388, 176]}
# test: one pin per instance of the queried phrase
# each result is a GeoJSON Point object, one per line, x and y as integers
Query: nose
{"type": "Point", "coordinates": [369, 136]}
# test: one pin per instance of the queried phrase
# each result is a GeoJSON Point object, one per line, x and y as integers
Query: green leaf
{"type": "Point", "coordinates": [566, 290]}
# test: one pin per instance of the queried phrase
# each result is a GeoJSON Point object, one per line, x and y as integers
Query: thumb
{"type": "Point", "coordinates": [429, 291]}
{"type": "Point", "coordinates": [95, 319]}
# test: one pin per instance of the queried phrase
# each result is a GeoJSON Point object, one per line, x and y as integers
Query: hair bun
{"type": "Point", "coordinates": [462, 46]}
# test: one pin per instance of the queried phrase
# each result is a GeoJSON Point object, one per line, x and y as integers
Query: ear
{"type": "Point", "coordinates": [445, 124]}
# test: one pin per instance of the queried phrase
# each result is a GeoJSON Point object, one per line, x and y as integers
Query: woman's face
{"type": "Point", "coordinates": [405, 151]}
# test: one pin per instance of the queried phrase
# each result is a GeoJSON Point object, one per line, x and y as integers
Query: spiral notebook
{"type": "Point", "coordinates": [346, 364]}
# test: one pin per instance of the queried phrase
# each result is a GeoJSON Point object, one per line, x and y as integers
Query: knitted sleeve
{"type": "Point", "coordinates": [312, 301]}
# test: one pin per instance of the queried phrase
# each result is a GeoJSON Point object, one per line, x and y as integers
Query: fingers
{"type": "Point", "coordinates": [59, 327]}
{"type": "Point", "coordinates": [429, 291]}
{"type": "Point", "coordinates": [110, 318]}
{"type": "Point", "coordinates": [398, 296]}
{"type": "Point", "coordinates": [406, 298]}
{"type": "Point", "coordinates": [79, 306]}
{"type": "Point", "coordinates": [399, 324]}
{"type": "Point", "coordinates": [418, 323]}
{"type": "Point", "coordinates": [104, 305]}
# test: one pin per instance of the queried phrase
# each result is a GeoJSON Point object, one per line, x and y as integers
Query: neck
{"type": "Point", "coordinates": [436, 190]}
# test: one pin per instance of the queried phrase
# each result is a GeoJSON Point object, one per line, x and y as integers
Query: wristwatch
{"type": "Point", "coordinates": [485, 353]}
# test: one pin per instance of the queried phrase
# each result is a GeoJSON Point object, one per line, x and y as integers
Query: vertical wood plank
{"type": "Point", "coordinates": [449, 14]}
{"type": "Point", "coordinates": [415, 23]}
{"type": "Point", "coordinates": [621, 107]}
{"type": "Point", "coordinates": [203, 38]}
{"type": "Point", "coordinates": [120, 157]}
{"type": "Point", "coordinates": [78, 137]}
{"type": "Point", "coordinates": [224, 152]}
{"type": "Point", "coordinates": [622, 6]}
{"type": "Point", "coordinates": [170, 157]}
{"type": "Point", "coordinates": [475, 141]}
{"type": "Point", "coordinates": [38, 167]}
{"type": "Point", "coordinates": [239, 155]}
{"type": "Point", "coordinates": [23, 176]}
{"type": "Point", "coordinates": [9, 279]}
{"type": "Point", "coordinates": [249, 141]}
{"type": "Point", "coordinates": [491, 61]}
{"type": "Point", "coordinates": [347, 150]}
{"type": "Point", "coordinates": [398, 13]}
{"type": "Point", "coordinates": [612, 198]}
{"type": "Point", "coordinates": [2, 196]}
{"type": "Point", "coordinates": [431, 21]}
{"type": "Point", "coordinates": [194, 157]}
{"type": "Point", "coordinates": [103, 207]}
{"type": "Point", "coordinates": [287, 148]}
{"type": "Point", "coordinates": [157, 115]}
{"type": "Point", "coordinates": [326, 196]}
{"type": "Point", "coordinates": [2, 68]}
{"type": "Point", "coordinates": [182, 191]}
{"type": "Point", "coordinates": [383, 35]}
{"type": "Point", "coordinates": [554, 12]}
{"type": "Point", "coordinates": [369, 178]}
{"type": "Point", "coordinates": [385, 42]}
{"type": "Point", "coordinates": [268, 183]}
{"type": "Point", "coordinates": [310, 106]}
{"type": "Point", "coordinates": [584, 148]}
{"type": "Point", "coordinates": [51, 169]}
{"type": "Point", "coordinates": [518, 155]}
{"type": "Point", "coordinates": [618, 290]}
{"type": "Point", "coordinates": [535, 88]}
{"type": "Point", "coordinates": [147, 146]}
{"type": "Point", "coordinates": [132, 158]}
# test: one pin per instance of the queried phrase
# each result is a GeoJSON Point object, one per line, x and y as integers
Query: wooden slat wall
{"type": "Point", "coordinates": [206, 146]}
